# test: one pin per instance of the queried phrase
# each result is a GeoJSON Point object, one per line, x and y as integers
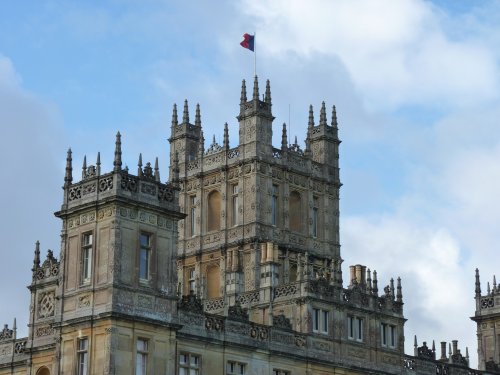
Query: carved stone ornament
{"type": "Point", "coordinates": [425, 352]}
{"type": "Point", "coordinates": [6, 333]}
{"type": "Point", "coordinates": [191, 303]}
{"type": "Point", "coordinates": [281, 321]}
{"type": "Point", "coordinates": [46, 305]}
{"type": "Point", "coordinates": [236, 312]}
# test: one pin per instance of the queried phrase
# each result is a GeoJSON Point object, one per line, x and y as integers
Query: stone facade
{"type": "Point", "coordinates": [232, 267]}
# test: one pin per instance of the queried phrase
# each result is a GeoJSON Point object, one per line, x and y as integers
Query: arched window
{"type": "Point", "coordinates": [213, 282]}
{"type": "Point", "coordinates": [213, 215]}
{"type": "Point", "coordinates": [43, 371]}
{"type": "Point", "coordinates": [292, 276]}
{"type": "Point", "coordinates": [295, 212]}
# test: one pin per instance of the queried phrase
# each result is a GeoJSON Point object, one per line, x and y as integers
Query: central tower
{"type": "Point", "coordinates": [258, 217]}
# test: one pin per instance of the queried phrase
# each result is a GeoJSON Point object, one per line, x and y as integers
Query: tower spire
{"type": "Point", "coordinates": [36, 260]}
{"type": "Point", "coordinates": [322, 115]}
{"type": "Point", "coordinates": [84, 167]}
{"type": "Point", "coordinates": [157, 171]}
{"type": "Point", "coordinates": [197, 117]}
{"type": "Point", "coordinates": [478, 284]}
{"type": "Point", "coordinates": [334, 117]}
{"type": "Point", "coordinates": [243, 98]}
{"type": "Point", "coordinates": [117, 163]}
{"type": "Point", "coordinates": [284, 138]}
{"type": "Point", "coordinates": [267, 97]}
{"type": "Point", "coordinates": [255, 89]}
{"type": "Point", "coordinates": [310, 124]}
{"type": "Point", "coordinates": [68, 177]}
{"type": "Point", "coordinates": [226, 137]}
{"type": "Point", "coordinates": [175, 120]}
{"type": "Point", "coordinates": [98, 164]}
{"type": "Point", "coordinates": [399, 294]}
{"type": "Point", "coordinates": [185, 114]}
{"type": "Point", "coordinates": [139, 166]}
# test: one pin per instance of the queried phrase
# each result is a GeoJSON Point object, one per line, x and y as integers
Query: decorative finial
{"type": "Point", "coordinates": [392, 288]}
{"type": "Point", "coordinates": [267, 98]}
{"type": "Point", "coordinates": [399, 294]}
{"type": "Point", "coordinates": [478, 284]}
{"type": "Point", "coordinates": [255, 89]}
{"type": "Point", "coordinates": [334, 117]}
{"type": "Point", "coordinates": [84, 167]}
{"type": "Point", "coordinates": [322, 115]}
{"type": "Point", "coordinates": [226, 137]}
{"type": "Point", "coordinates": [98, 164]}
{"type": "Point", "coordinates": [14, 329]}
{"type": "Point", "coordinates": [157, 171]}
{"type": "Point", "coordinates": [197, 117]}
{"type": "Point", "coordinates": [375, 283]}
{"type": "Point", "coordinates": [284, 138]}
{"type": "Point", "coordinates": [36, 260]}
{"type": "Point", "coordinates": [139, 166]}
{"type": "Point", "coordinates": [488, 289]}
{"type": "Point", "coordinates": [295, 140]}
{"type": "Point", "coordinates": [310, 124]}
{"type": "Point", "coordinates": [494, 283]}
{"type": "Point", "coordinates": [175, 120]}
{"type": "Point", "coordinates": [185, 114]}
{"type": "Point", "coordinates": [415, 343]}
{"type": "Point", "coordinates": [117, 163]}
{"type": "Point", "coordinates": [243, 97]}
{"type": "Point", "coordinates": [68, 177]}
{"type": "Point", "coordinates": [369, 279]}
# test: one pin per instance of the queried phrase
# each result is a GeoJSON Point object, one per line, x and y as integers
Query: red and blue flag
{"type": "Point", "coordinates": [248, 41]}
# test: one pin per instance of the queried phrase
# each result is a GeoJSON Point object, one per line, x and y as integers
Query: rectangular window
{"type": "Point", "coordinates": [320, 320]}
{"type": "Point", "coordinates": [355, 328]}
{"type": "Point", "coordinates": [274, 205]}
{"type": "Point", "coordinates": [388, 335]}
{"type": "Point", "coordinates": [82, 356]}
{"type": "Point", "coordinates": [192, 211]}
{"type": "Point", "coordinates": [141, 362]}
{"type": "Point", "coordinates": [235, 204]}
{"type": "Point", "coordinates": [86, 261]}
{"type": "Point", "coordinates": [235, 368]}
{"type": "Point", "coordinates": [392, 336]}
{"type": "Point", "coordinates": [144, 256]}
{"type": "Point", "coordinates": [192, 280]}
{"type": "Point", "coordinates": [315, 217]}
{"type": "Point", "coordinates": [280, 372]}
{"type": "Point", "coordinates": [189, 364]}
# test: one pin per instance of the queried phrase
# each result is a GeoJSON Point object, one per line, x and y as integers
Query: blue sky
{"type": "Point", "coordinates": [416, 85]}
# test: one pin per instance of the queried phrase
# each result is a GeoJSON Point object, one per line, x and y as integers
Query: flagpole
{"type": "Point", "coordinates": [255, 54]}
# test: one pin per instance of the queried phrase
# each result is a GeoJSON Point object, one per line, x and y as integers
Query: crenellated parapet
{"type": "Point", "coordinates": [94, 187]}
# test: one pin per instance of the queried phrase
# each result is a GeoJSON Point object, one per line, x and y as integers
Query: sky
{"type": "Point", "coordinates": [416, 85]}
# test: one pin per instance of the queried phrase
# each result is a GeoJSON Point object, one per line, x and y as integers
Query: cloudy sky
{"type": "Point", "coordinates": [416, 85]}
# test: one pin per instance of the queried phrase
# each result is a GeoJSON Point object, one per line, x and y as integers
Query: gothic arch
{"type": "Point", "coordinates": [214, 202]}
{"type": "Point", "coordinates": [295, 211]}
{"type": "Point", "coordinates": [43, 371]}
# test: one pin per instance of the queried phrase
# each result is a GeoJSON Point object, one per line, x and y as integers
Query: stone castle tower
{"type": "Point", "coordinates": [115, 282]}
{"type": "Point", "coordinates": [231, 267]}
{"type": "Point", "coordinates": [487, 317]}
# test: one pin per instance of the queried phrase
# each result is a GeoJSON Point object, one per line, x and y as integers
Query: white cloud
{"type": "Point", "coordinates": [396, 52]}
{"type": "Point", "coordinates": [427, 258]}
{"type": "Point", "coordinates": [30, 138]}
